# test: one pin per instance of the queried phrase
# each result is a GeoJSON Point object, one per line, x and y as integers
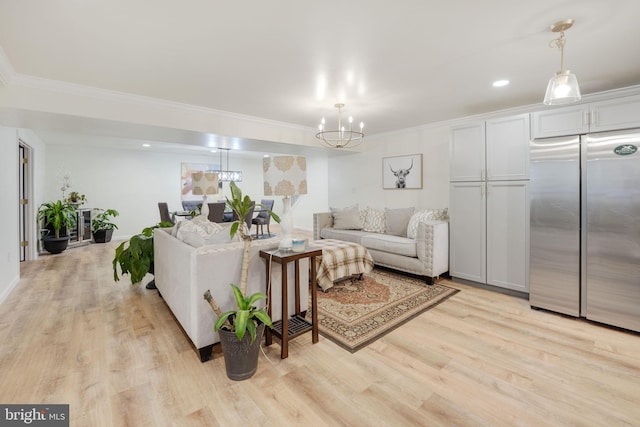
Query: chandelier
{"type": "Point", "coordinates": [563, 86]}
{"type": "Point", "coordinates": [340, 137]}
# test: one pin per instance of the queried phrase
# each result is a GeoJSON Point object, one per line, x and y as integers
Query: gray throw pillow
{"type": "Point", "coordinates": [397, 221]}
{"type": "Point", "coordinates": [347, 218]}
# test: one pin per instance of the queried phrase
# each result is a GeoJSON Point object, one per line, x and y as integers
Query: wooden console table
{"type": "Point", "coordinates": [297, 324]}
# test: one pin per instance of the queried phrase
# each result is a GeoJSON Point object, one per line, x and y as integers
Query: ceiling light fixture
{"type": "Point", "coordinates": [563, 87]}
{"type": "Point", "coordinates": [341, 137]}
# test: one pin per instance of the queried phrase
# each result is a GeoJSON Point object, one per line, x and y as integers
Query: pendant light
{"type": "Point", "coordinates": [563, 87]}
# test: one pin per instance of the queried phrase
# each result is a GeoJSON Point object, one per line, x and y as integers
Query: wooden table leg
{"type": "Point", "coordinates": [297, 285]}
{"type": "Point", "coordinates": [268, 336]}
{"type": "Point", "coordinates": [314, 303]}
{"type": "Point", "coordinates": [284, 343]}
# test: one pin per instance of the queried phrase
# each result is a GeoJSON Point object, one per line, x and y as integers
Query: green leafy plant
{"type": "Point", "coordinates": [76, 198]}
{"type": "Point", "coordinates": [102, 219]}
{"type": "Point", "coordinates": [245, 318]}
{"type": "Point", "coordinates": [57, 215]}
{"type": "Point", "coordinates": [135, 256]}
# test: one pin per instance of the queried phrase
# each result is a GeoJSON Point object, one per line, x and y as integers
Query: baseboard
{"type": "Point", "coordinates": [7, 291]}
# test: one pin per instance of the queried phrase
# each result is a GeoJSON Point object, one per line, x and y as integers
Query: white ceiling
{"type": "Point", "coordinates": [394, 64]}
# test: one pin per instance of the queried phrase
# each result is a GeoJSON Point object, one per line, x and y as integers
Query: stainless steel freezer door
{"type": "Point", "coordinates": [613, 229]}
{"type": "Point", "coordinates": [554, 266]}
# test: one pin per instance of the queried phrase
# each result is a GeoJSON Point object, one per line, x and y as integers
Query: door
{"type": "Point", "coordinates": [554, 275]}
{"type": "Point", "coordinates": [468, 231]}
{"type": "Point", "coordinates": [613, 229]}
{"type": "Point", "coordinates": [508, 234]}
{"type": "Point", "coordinates": [467, 153]}
{"type": "Point", "coordinates": [507, 152]}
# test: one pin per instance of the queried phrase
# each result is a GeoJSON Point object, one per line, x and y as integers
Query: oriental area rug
{"type": "Point", "coordinates": [354, 313]}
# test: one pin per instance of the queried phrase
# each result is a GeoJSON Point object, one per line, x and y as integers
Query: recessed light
{"type": "Point", "coordinates": [146, 145]}
{"type": "Point", "coordinates": [500, 83]}
{"type": "Point", "coordinates": [266, 155]}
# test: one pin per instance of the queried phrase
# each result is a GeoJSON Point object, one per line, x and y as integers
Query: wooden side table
{"type": "Point", "coordinates": [297, 324]}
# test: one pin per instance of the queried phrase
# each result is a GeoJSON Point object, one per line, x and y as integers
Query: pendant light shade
{"type": "Point", "coordinates": [563, 87]}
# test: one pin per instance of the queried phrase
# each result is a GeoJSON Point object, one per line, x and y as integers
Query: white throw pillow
{"type": "Point", "coordinates": [200, 231]}
{"type": "Point", "coordinates": [347, 218]}
{"type": "Point", "coordinates": [425, 215]}
{"type": "Point", "coordinates": [375, 221]}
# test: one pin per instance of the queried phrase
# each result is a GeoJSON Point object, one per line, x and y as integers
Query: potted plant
{"type": "Point", "coordinates": [240, 349]}
{"type": "Point", "coordinates": [58, 217]}
{"type": "Point", "coordinates": [101, 225]}
{"type": "Point", "coordinates": [76, 198]}
{"type": "Point", "coordinates": [135, 256]}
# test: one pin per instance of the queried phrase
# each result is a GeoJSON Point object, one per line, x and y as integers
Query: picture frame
{"type": "Point", "coordinates": [402, 172]}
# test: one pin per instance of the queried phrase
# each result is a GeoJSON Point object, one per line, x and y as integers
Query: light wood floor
{"type": "Point", "coordinates": [69, 334]}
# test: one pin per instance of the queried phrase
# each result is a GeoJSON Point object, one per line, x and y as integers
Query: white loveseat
{"type": "Point", "coordinates": [424, 253]}
{"type": "Point", "coordinates": [183, 273]}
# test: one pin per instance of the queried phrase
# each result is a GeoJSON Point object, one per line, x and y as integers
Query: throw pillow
{"type": "Point", "coordinates": [200, 231]}
{"type": "Point", "coordinates": [375, 221]}
{"type": "Point", "coordinates": [397, 220]}
{"type": "Point", "coordinates": [425, 215]}
{"type": "Point", "coordinates": [347, 218]}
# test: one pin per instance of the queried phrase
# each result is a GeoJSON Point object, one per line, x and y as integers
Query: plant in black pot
{"type": "Point", "coordinates": [240, 349]}
{"type": "Point", "coordinates": [135, 256]}
{"type": "Point", "coordinates": [102, 226]}
{"type": "Point", "coordinates": [58, 217]}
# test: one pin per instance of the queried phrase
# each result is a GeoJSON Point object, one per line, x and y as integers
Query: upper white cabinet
{"type": "Point", "coordinates": [507, 141]}
{"type": "Point", "coordinates": [494, 150]}
{"type": "Point", "coordinates": [467, 153]}
{"type": "Point", "coordinates": [613, 114]}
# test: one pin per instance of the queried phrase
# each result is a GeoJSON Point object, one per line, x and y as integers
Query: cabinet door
{"type": "Point", "coordinates": [508, 234]}
{"type": "Point", "coordinates": [467, 231]}
{"type": "Point", "coordinates": [563, 121]}
{"type": "Point", "coordinates": [621, 113]}
{"type": "Point", "coordinates": [467, 153]}
{"type": "Point", "coordinates": [507, 141]}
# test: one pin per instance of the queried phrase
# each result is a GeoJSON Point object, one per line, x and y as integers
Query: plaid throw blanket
{"type": "Point", "coordinates": [340, 259]}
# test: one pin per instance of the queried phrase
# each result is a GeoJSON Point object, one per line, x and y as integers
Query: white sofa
{"type": "Point", "coordinates": [425, 255]}
{"type": "Point", "coordinates": [183, 273]}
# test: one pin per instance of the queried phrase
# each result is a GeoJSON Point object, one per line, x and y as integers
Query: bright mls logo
{"type": "Point", "coordinates": [625, 150]}
{"type": "Point", "coordinates": [34, 415]}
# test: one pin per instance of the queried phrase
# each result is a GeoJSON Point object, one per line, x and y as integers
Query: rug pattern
{"type": "Point", "coordinates": [354, 313]}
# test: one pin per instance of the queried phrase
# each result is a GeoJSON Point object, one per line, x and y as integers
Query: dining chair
{"type": "Point", "coordinates": [164, 213]}
{"type": "Point", "coordinates": [263, 217]}
{"type": "Point", "coordinates": [216, 212]}
{"type": "Point", "coordinates": [248, 217]}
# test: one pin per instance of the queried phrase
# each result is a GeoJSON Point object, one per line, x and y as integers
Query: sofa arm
{"type": "Point", "coordinates": [321, 220]}
{"type": "Point", "coordinates": [432, 239]}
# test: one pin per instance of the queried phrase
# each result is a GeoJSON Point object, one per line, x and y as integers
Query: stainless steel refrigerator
{"type": "Point", "coordinates": [585, 227]}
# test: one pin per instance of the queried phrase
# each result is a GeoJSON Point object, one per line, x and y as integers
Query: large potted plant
{"type": "Point", "coordinates": [102, 226]}
{"type": "Point", "coordinates": [58, 218]}
{"type": "Point", "coordinates": [240, 349]}
{"type": "Point", "coordinates": [135, 256]}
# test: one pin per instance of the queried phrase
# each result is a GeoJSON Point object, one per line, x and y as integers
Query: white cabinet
{"type": "Point", "coordinates": [467, 153]}
{"type": "Point", "coordinates": [467, 231]}
{"type": "Point", "coordinates": [508, 234]}
{"type": "Point", "coordinates": [507, 152]}
{"type": "Point", "coordinates": [613, 114]}
{"type": "Point", "coordinates": [489, 202]}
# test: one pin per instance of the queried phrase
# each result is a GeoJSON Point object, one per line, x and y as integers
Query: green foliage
{"type": "Point", "coordinates": [76, 198]}
{"type": "Point", "coordinates": [57, 214]}
{"type": "Point", "coordinates": [135, 255]}
{"type": "Point", "coordinates": [247, 316]}
{"type": "Point", "coordinates": [242, 206]}
{"type": "Point", "coordinates": [102, 219]}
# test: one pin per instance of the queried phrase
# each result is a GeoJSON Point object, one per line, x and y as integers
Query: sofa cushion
{"type": "Point", "coordinates": [425, 215]}
{"type": "Point", "coordinates": [397, 221]}
{"type": "Point", "coordinates": [346, 218]}
{"type": "Point", "coordinates": [374, 221]}
{"type": "Point", "coordinates": [389, 243]}
{"type": "Point", "coordinates": [200, 231]}
{"type": "Point", "coordinates": [353, 236]}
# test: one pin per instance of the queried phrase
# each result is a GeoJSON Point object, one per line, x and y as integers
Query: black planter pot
{"type": "Point", "coordinates": [55, 245]}
{"type": "Point", "coordinates": [240, 356]}
{"type": "Point", "coordinates": [102, 236]}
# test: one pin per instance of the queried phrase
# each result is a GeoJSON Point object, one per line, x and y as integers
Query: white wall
{"type": "Point", "coordinates": [9, 249]}
{"type": "Point", "coordinates": [133, 182]}
{"type": "Point", "coordinates": [357, 178]}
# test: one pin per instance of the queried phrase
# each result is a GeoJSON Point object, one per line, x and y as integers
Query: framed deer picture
{"type": "Point", "coordinates": [402, 172]}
